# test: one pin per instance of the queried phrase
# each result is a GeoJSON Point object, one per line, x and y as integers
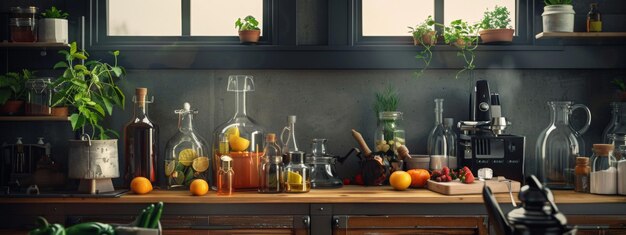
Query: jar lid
{"type": "Point", "coordinates": [226, 162]}
{"type": "Point", "coordinates": [390, 115]}
{"type": "Point", "coordinates": [29, 9]}
{"type": "Point", "coordinates": [603, 149]}
{"type": "Point", "coordinates": [582, 161]}
{"type": "Point", "coordinates": [38, 84]}
{"type": "Point", "coordinates": [297, 157]}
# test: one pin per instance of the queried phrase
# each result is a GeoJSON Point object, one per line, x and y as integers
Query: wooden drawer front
{"type": "Point", "coordinates": [410, 225]}
{"type": "Point", "coordinates": [595, 224]}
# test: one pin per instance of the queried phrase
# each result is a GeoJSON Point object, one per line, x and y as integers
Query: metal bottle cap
{"type": "Point", "coordinates": [448, 122]}
{"type": "Point", "coordinates": [226, 162]}
{"type": "Point", "coordinates": [291, 119]}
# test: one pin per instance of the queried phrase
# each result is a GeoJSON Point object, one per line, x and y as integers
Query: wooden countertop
{"type": "Point", "coordinates": [347, 194]}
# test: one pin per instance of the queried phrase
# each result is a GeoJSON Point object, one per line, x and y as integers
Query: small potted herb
{"type": "Point", "coordinates": [249, 31]}
{"type": "Point", "coordinates": [621, 88]}
{"type": "Point", "coordinates": [463, 36]}
{"type": "Point", "coordinates": [558, 16]}
{"type": "Point", "coordinates": [13, 91]}
{"type": "Point", "coordinates": [53, 26]}
{"type": "Point", "coordinates": [495, 26]}
{"type": "Point", "coordinates": [425, 36]}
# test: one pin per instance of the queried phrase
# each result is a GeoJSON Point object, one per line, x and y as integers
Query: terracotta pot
{"type": "Point", "coordinates": [249, 36]}
{"type": "Point", "coordinates": [458, 43]}
{"type": "Point", "coordinates": [427, 39]}
{"type": "Point", "coordinates": [496, 35]}
{"type": "Point", "coordinates": [12, 107]}
{"type": "Point", "coordinates": [60, 111]}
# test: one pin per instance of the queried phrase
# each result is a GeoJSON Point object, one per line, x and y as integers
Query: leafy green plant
{"type": "Point", "coordinates": [248, 23]}
{"type": "Point", "coordinates": [54, 13]}
{"type": "Point", "coordinates": [620, 84]}
{"type": "Point", "coordinates": [465, 37]}
{"type": "Point", "coordinates": [425, 28]}
{"type": "Point", "coordinates": [499, 18]}
{"type": "Point", "coordinates": [13, 85]}
{"type": "Point", "coordinates": [90, 89]}
{"type": "Point", "coordinates": [557, 2]}
{"type": "Point", "coordinates": [386, 101]}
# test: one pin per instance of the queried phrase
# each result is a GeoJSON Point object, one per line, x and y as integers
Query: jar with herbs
{"type": "Point", "coordinates": [582, 171]}
{"type": "Point", "coordinates": [389, 137]}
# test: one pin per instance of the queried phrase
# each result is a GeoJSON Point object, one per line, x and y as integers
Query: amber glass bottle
{"type": "Point", "coordinates": [141, 138]}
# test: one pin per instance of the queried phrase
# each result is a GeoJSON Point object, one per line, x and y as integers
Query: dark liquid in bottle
{"type": "Point", "coordinates": [141, 151]}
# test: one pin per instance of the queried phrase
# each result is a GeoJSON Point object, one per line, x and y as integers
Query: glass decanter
{"type": "Point", "coordinates": [186, 153]}
{"type": "Point", "coordinates": [438, 140]}
{"type": "Point", "coordinates": [322, 165]}
{"type": "Point", "coordinates": [289, 143]}
{"type": "Point", "coordinates": [559, 145]}
{"type": "Point", "coordinates": [141, 139]}
{"type": "Point", "coordinates": [244, 138]}
{"type": "Point", "coordinates": [389, 137]}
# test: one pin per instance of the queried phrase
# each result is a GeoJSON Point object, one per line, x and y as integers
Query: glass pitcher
{"type": "Point", "coordinates": [322, 166]}
{"type": "Point", "coordinates": [559, 145]}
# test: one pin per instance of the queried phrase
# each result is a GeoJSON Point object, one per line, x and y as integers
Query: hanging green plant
{"type": "Point", "coordinates": [424, 35]}
{"type": "Point", "coordinates": [463, 36]}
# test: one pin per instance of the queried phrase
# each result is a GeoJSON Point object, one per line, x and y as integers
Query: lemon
{"type": "Point", "coordinates": [169, 168]}
{"type": "Point", "coordinates": [187, 156]}
{"type": "Point", "coordinates": [232, 132]}
{"type": "Point", "coordinates": [293, 178]}
{"type": "Point", "coordinates": [200, 164]}
{"type": "Point", "coordinates": [238, 144]}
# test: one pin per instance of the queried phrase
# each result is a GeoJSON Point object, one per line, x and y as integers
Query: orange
{"type": "Point", "coordinates": [140, 185]}
{"type": "Point", "coordinates": [400, 180]}
{"type": "Point", "coordinates": [419, 177]}
{"type": "Point", "coordinates": [198, 187]}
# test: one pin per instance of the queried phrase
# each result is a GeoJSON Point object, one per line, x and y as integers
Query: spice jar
{"type": "Point", "coordinates": [582, 172]}
{"type": "Point", "coordinates": [39, 97]}
{"type": "Point", "coordinates": [296, 174]}
{"type": "Point", "coordinates": [604, 172]}
{"type": "Point", "coordinates": [225, 177]}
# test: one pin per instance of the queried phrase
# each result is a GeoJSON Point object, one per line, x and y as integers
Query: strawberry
{"type": "Point", "coordinates": [445, 170]}
{"type": "Point", "coordinates": [358, 179]}
{"type": "Point", "coordinates": [469, 178]}
{"type": "Point", "coordinates": [346, 181]}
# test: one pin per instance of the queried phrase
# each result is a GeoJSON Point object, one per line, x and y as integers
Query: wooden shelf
{"type": "Point", "coordinates": [575, 35]}
{"type": "Point", "coordinates": [33, 45]}
{"type": "Point", "coordinates": [33, 119]}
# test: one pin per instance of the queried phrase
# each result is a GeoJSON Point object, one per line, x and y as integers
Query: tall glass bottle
{"type": "Point", "coordinates": [289, 142]}
{"type": "Point", "coordinates": [448, 124]}
{"type": "Point", "coordinates": [141, 139]}
{"type": "Point", "coordinates": [559, 145]}
{"type": "Point", "coordinates": [244, 138]}
{"type": "Point", "coordinates": [609, 131]}
{"type": "Point", "coordinates": [271, 178]}
{"type": "Point", "coordinates": [186, 153]}
{"type": "Point", "coordinates": [437, 140]}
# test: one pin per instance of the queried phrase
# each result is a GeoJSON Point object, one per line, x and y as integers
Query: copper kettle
{"type": "Point", "coordinates": [537, 215]}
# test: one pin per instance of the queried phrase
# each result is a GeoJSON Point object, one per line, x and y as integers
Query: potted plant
{"type": "Point", "coordinates": [249, 31]}
{"type": "Point", "coordinates": [495, 26]}
{"type": "Point", "coordinates": [53, 26]}
{"type": "Point", "coordinates": [13, 91]}
{"type": "Point", "coordinates": [558, 16]}
{"type": "Point", "coordinates": [91, 91]}
{"type": "Point", "coordinates": [425, 36]}
{"type": "Point", "coordinates": [463, 36]}
{"type": "Point", "coordinates": [621, 88]}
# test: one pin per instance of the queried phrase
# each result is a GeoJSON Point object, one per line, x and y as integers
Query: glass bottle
{"type": "Point", "coordinates": [594, 21]}
{"type": "Point", "coordinates": [296, 174]}
{"type": "Point", "coordinates": [186, 153]}
{"type": "Point", "coordinates": [437, 140]}
{"type": "Point", "coordinates": [244, 137]}
{"type": "Point", "coordinates": [225, 177]}
{"type": "Point", "coordinates": [322, 165]}
{"type": "Point", "coordinates": [603, 171]}
{"type": "Point", "coordinates": [141, 139]}
{"type": "Point", "coordinates": [448, 124]}
{"type": "Point", "coordinates": [271, 178]}
{"type": "Point", "coordinates": [289, 142]}
{"type": "Point", "coordinates": [559, 145]}
{"type": "Point", "coordinates": [610, 128]}
{"type": "Point", "coordinates": [389, 137]}
{"type": "Point", "coordinates": [582, 172]}
{"type": "Point", "coordinates": [619, 141]}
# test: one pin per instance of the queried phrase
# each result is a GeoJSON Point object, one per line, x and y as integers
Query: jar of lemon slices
{"type": "Point", "coordinates": [186, 153]}
{"type": "Point", "coordinates": [296, 174]}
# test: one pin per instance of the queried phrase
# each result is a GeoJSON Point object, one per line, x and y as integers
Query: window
{"type": "Point", "coordinates": [138, 18]}
{"type": "Point", "coordinates": [472, 11]}
{"type": "Point", "coordinates": [209, 20]}
{"type": "Point", "coordinates": [391, 17]}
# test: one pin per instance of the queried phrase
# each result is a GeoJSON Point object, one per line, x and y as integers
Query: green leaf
{"type": "Point", "coordinates": [73, 48]}
{"type": "Point", "coordinates": [60, 64]}
{"type": "Point", "coordinates": [117, 71]}
{"type": "Point", "coordinates": [120, 96]}
{"type": "Point", "coordinates": [115, 53]}
{"type": "Point", "coordinates": [107, 105]}
{"type": "Point", "coordinates": [80, 56]}
{"type": "Point", "coordinates": [77, 121]}
{"type": "Point", "coordinates": [81, 67]}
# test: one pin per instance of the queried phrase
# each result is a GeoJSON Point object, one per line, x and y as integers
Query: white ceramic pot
{"type": "Point", "coordinates": [53, 30]}
{"type": "Point", "coordinates": [558, 18]}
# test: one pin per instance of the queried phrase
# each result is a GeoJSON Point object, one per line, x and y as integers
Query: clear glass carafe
{"type": "Point", "coordinates": [323, 174]}
{"type": "Point", "coordinates": [244, 138]}
{"type": "Point", "coordinates": [389, 137]}
{"type": "Point", "coordinates": [288, 138]}
{"type": "Point", "coordinates": [296, 174]}
{"type": "Point", "coordinates": [271, 178]}
{"type": "Point", "coordinates": [186, 153]}
{"type": "Point", "coordinates": [559, 145]}
{"type": "Point", "coordinates": [438, 140]}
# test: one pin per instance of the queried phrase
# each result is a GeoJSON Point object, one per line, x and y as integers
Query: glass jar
{"type": "Point", "coordinates": [438, 141]}
{"type": "Point", "coordinates": [244, 137]}
{"type": "Point", "coordinates": [389, 137]}
{"type": "Point", "coordinates": [619, 141]}
{"type": "Point", "coordinates": [22, 24]}
{"type": "Point", "coordinates": [559, 145]}
{"type": "Point", "coordinates": [322, 165]}
{"type": "Point", "coordinates": [271, 178]}
{"type": "Point", "coordinates": [186, 153]}
{"type": "Point", "coordinates": [296, 174]}
{"type": "Point", "coordinates": [582, 172]}
{"type": "Point", "coordinates": [39, 97]}
{"type": "Point", "coordinates": [225, 177]}
{"type": "Point", "coordinates": [609, 130]}
{"type": "Point", "coordinates": [603, 171]}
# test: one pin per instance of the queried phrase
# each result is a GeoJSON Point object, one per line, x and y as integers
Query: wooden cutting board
{"type": "Point", "coordinates": [457, 188]}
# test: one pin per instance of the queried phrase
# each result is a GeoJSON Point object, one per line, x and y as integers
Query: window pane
{"type": "Point", "coordinates": [217, 17]}
{"type": "Point", "coordinates": [472, 11]}
{"type": "Point", "coordinates": [391, 17]}
{"type": "Point", "coordinates": [144, 18]}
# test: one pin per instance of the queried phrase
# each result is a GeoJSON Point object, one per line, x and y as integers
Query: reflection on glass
{"type": "Point", "coordinates": [391, 17]}
{"type": "Point", "coordinates": [144, 18]}
{"type": "Point", "coordinates": [217, 17]}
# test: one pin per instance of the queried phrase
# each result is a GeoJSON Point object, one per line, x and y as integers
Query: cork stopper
{"type": "Point", "coordinates": [582, 161]}
{"type": "Point", "coordinates": [603, 149]}
{"type": "Point", "coordinates": [140, 93]}
{"type": "Point", "coordinates": [270, 137]}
